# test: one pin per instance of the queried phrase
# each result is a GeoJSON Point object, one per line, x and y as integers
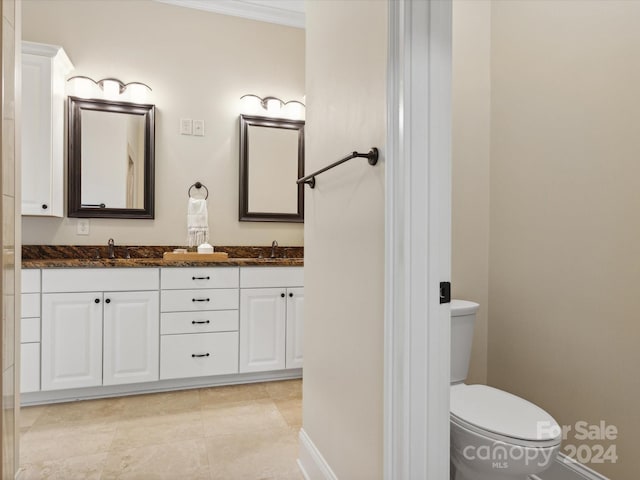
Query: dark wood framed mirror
{"type": "Point", "coordinates": [271, 160]}
{"type": "Point", "coordinates": [111, 152]}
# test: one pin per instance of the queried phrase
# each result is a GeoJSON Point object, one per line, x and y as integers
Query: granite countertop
{"type": "Point", "coordinates": [69, 256]}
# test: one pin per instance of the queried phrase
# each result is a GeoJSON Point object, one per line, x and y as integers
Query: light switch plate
{"type": "Point", "coordinates": [186, 126]}
{"type": "Point", "coordinates": [82, 227]}
{"type": "Point", "coordinates": [198, 128]}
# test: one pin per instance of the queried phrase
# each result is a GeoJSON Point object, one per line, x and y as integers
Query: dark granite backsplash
{"type": "Point", "coordinates": [55, 252]}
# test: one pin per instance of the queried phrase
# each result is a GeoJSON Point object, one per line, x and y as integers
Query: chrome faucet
{"type": "Point", "coordinates": [112, 248]}
{"type": "Point", "coordinates": [274, 244]}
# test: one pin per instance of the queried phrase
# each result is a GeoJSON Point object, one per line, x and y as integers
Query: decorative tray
{"type": "Point", "coordinates": [195, 257]}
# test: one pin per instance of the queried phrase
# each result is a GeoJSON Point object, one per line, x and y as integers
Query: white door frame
{"type": "Point", "coordinates": [417, 241]}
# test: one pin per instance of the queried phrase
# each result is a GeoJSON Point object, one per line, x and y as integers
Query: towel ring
{"type": "Point", "coordinates": [198, 185]}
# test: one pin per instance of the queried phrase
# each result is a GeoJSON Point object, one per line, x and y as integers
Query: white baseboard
{"type": "Point", "coordinates": [91, 393]}
{"type": "Point", "coordinates": [566, 468]}
{"type": "Point", "coordinates": [314, 467]}
{"type": "Point", "coordinates": [311, 462]}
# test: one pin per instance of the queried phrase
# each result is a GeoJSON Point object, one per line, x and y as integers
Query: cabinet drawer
{"type": "Point", "coordinates": [29, 367]}
{"type": "Point", "coordinates": [196, 277]}
{"type": "Point", "coordinates": [30, 281]}
{"type": "Point", "coordinates": [198, 322]}
{"type": "Point", "coordinates": [100, 279]}
{"type": "Point", "coordinates": [29, 330]}
{"type": "Point", "coordinates": [265, 277]}
{"type": "Point", "coordinates": [198, 355]}
{"type": "Point", "coordinates": [199, 300]}
{"type": "Point", "coordinates": [30, 305]}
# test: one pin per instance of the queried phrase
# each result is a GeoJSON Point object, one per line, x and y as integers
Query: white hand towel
{"type": "Point", "coordinates": [197, 222]}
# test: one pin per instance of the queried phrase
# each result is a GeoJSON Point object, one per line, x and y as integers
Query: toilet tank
{"type": "Point", "coordinates": [463, 317]}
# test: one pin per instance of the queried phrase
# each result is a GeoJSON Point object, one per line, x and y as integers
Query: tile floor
{"type": "Point", "coordinates": [228, 433]}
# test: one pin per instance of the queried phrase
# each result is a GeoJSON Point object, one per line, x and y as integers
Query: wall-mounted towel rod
{"type": "Point", "coordinates": [371, 155]}
{"type": "Point", "coordinates": [199, 185]}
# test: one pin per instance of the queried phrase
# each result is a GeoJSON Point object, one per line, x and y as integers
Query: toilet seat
{"type": "Point", "coordinates": [502, 417]}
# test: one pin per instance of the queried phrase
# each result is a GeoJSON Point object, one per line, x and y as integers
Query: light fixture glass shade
{"type": "Point", "coordinates": [293, 110]}
{"type": "Point", "coordinates": [136, 93]}
{"type": "Point", "coordinates": [111, 89]}
{"type": "Point", "coordinates": [83, 87]}
{"type": "Point", "coordinates": [274, 105]}
{"type": "Point", "coordinates": [251, 105]}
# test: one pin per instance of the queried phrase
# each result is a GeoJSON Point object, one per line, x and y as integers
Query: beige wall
{"type": "Point", "coordinates": [198, 65]}
{"type": "Point", "coordinates": [10, 262]}
{"type": "Point", "coordinates": [344, 236]}
{"type": "Point", "coordinates": [470, 175]}
{"type": "Point", "coordinates": [565, 213]}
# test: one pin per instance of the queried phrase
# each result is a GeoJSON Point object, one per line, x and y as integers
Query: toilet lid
{"type": "Point", "coordinates": [502, 413]}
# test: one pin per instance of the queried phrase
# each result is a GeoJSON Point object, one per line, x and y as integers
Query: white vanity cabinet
{"type": "Point", "coordinates": [99, 327]}
{"type": "Point", "coordinates": [199, 322]}
{"type": "Point", "coordinates": [44, 68]}
{"type": "Point", "coordinates": [271, 318]}
{"type": "Point", "coordinates": [30, 332]}
{"type": "Point", "coordinates": [89, 332]}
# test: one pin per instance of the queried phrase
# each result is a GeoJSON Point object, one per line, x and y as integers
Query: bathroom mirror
{"type": "Point", "coordinates": [111, 159]}
{"type": "Point", "coordinates": [271, 160]}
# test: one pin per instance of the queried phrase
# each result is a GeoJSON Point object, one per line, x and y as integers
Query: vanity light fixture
{"type": "Point", "coordinates": [272, 106]}
{"type": "Point", "coordinates": [109, 89]}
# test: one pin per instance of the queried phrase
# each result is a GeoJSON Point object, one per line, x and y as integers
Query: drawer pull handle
{"type": "Point", "coordinates": [201, 278]}
{"type": "Point", "coordinates": [199, 299]}
{"type": "Point", "coordinates": [196, 322]}
{"type": "Point", "coordinates": [198, 355]}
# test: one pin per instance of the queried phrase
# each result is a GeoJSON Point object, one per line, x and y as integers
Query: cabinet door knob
{"type": "Point", "coordinates": [45, 206]}
{"type": "Point", "coordinates": [291, 294]}
{"type": "Point", "coordinates": [97, 300]}
{"type": "Point", "coordinates": [108, 300]}
{"type": "Point", "coordinates": [282, 295]}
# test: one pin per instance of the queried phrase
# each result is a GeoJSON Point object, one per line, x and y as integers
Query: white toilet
{"type": "Point", "coordinates": [494, 435]}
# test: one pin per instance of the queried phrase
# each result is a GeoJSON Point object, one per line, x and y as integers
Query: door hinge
{"type": "Point", "coordinates": [445, 292]}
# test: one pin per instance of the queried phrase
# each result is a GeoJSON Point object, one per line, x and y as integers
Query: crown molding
{"type": "Point", "coordinates": [283, 12]}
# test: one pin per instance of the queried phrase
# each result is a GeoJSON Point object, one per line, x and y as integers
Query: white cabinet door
{"type": "Point", "coordinates": [43, 81]}
{"type": "Point", "coordinates": [29, 367]}
{"type": "Point", "coordinates": [36, 135]}
{"type": "Point", "coordinates": [262, 329]}
{"type": "Point", "coordinates": [131, 337]}
{"type": "Point", "coordinates": [71, 340]}
{"type": "Point", "coordinates": [295, 325]}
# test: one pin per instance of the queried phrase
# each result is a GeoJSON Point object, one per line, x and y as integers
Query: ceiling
{"type": "Point", "coordinates": [283, 12]}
